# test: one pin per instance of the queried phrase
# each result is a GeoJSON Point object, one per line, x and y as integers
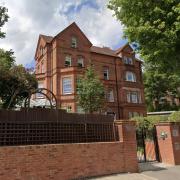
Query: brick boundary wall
{"type": "Point", "coordinates": [71, 161]}
{"type": "Point", "coordinates": [169, 147]}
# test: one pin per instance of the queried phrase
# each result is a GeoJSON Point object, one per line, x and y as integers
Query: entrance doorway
{"type": "Point", "coordinates": [147, 145]}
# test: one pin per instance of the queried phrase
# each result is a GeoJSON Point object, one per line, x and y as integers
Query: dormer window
{"type": "Point", "coordinates": [67, 61]}
{"type": "Point", "coordinates": [130, 76]}
{"type": "Point", "coordinates": [74, 42]}
{"type": "Point", "coordinates": [128, 60]}
{"type": "Point", "coordinates": [80, 62]}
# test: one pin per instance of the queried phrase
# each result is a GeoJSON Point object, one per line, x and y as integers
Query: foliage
{"type": "Point", "coordinates": [154, 28]}
{"type": "Point", "coordinates": [6, 59]}
{"type": "Point", "coordinates": [3, 19]}
{"type": "Point", "coordinates": [90, 92]}
{"type": "Point", "coordinates": [149, 121]}
{"type": "Point", "coordinates": [159, 85]}
{"type": "Point", "coordinates": [15, 84]}
{"type": "Point", "coordinates": [174, 117]}
{"type": "Point", "coordinates": [15, 81]}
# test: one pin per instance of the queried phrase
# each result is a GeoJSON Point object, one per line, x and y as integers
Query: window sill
{"type": "Point", "coordinates": [131, 81]}
{"type": "Point", "coordinates": [67, 94]}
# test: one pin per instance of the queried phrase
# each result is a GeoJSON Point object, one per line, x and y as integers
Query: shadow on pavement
{"type": "Point", "coordinates": [151, 166]}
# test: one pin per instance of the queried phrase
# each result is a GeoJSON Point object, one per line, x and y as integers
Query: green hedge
{"type": "Point", "coordinates": [174, 117]}
{"type": "Point", "coordinates": [149, 121]}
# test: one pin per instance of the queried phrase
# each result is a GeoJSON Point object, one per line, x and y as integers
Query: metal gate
{"type": "Point", "coordinates": [147, 145]}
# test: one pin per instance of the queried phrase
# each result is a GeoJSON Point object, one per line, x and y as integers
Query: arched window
{"type": "Point", "coordinates": [130, 76]}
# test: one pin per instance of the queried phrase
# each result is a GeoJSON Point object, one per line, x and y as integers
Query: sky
{"type": "Point", "coordinates": [29, 18]}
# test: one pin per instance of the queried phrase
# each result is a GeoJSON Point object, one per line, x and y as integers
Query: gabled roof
{"type": "Point", "coordinates": [103, 50]}
{"type": "Point", "coordinates": [48, 39]}
{"type": "Point", "coordinates": [123, 47]}
{"type": "Point", "coordinates": [76, 26]}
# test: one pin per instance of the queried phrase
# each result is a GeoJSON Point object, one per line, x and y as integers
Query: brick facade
{"type": "Point", "coordinates": [169, 146]}
{"type": "Point", "coordinates": [71, 161]}
{"type": "Point", "coordinates": [50, 58]}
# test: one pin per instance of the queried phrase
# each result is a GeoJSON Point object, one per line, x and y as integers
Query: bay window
{"type": "Point", "coordinates": [67, 85]}
{"type": "Point", "coordinates": [133, 97]}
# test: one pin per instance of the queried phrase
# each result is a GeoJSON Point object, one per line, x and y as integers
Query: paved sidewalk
{"type": "Point", "coordinates": [168, 173]}
{"type": "Point", "coordinates": [149, 171]}
{"type": "Point", "coordinates": [126, 176]}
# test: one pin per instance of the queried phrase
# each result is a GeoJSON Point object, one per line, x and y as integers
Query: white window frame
{"type": "Point", "coordinates": [130, 76]}
{"type": "Point", "coordinates": [67, 85]}
{"type": "Point", "coordinates": [68, 61]}
{"type": "Point", "coordinates": [80, 61]}
{"type": "Point", "coordinates": [40, 85]}
{"type": "Point", "coordinates": [106, 71]}
{"type": "Point", "coordinates": [110, 95]}
{"type": "Point", "coordinates": [129, 97]}
{"type": "Point", "coordinates": [128, 60]}
{"type": "Point", "coordinates": [133, 97]}
{"type": "Point", "coordinates": [73, 42]}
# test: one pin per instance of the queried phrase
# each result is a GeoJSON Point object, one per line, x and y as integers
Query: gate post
{"type": "Point", "coordinates": [127, 135]}
{"type": "Point", "coordinates": [168, 136]}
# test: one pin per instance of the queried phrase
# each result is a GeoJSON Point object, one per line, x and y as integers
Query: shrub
{"type": "Point", "coordinates": [149, 121]}
{"type": "Point", "coordinates": [174, 117]}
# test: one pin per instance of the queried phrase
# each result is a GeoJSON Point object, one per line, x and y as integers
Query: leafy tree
{"type": "Point", "coordinates": [15, 81]}
{"type": "Point", "coordinates": [90, 92]}
{"type": "Point", "coordinates": [6, 59]}
{"type": "Point", "coordinates": [15, 84]}
{"type": "Point", "coordinates": [3, 19]}
{"type": "Point", "coordinates": [159, 85]}
{"type": "Point", "coordinates": [154, 28]}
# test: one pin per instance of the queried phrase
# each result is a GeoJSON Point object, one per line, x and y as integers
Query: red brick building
{"type": "Point", "coordinates": [60, 60]}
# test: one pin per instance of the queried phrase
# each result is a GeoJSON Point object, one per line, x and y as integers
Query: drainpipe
{"type": "Point", "coordinates": [117, 90]}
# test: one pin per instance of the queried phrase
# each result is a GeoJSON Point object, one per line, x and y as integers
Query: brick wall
{"type": "Point", "coordinates": [70, 161]}
{"type": "Point", "coordinates": [169, 147]}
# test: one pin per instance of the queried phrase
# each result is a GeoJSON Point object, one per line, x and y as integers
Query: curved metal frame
{"type": "Point", "coordinates": [40, 90]}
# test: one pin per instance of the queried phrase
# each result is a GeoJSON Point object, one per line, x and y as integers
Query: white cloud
{"type": "Point", "coordinates": [28, 19]}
